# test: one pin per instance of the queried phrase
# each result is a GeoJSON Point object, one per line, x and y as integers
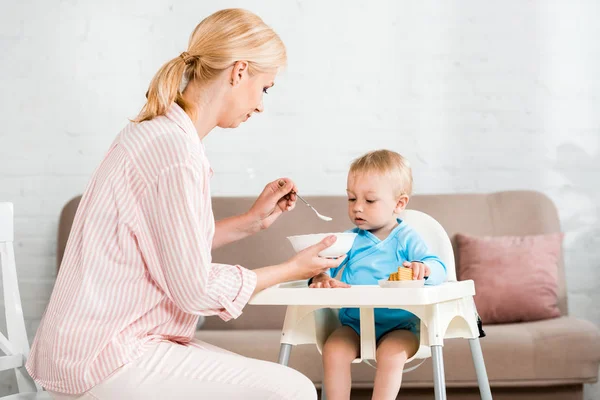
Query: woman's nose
{"type": "Point", "coordinates": [259, 108]}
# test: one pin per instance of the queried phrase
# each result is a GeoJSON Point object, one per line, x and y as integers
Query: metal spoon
{"type": "Point", "coordinates": [323, 217]}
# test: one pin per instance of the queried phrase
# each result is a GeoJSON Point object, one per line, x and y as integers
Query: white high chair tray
{"type": "Point", "coordinates": [297, 293]}
{"type": "Point", "coordinates": [384, 283]}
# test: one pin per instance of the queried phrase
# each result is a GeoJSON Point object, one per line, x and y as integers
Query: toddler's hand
{"type": "Point", "coordinates": [420, 270]}
{"type": "Point", "coordinates": [328, 283]}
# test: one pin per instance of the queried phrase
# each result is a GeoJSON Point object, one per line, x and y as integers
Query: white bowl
{"type": "Point", "coordinates": [384, 283]}
{"type": "Point", "coordinates": [342, 245]}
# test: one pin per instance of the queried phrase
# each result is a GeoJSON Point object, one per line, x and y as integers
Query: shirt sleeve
{"type": "Point", "coordinates": [417, 250]}
{"type": "Point", "coordinates": [178, 223]}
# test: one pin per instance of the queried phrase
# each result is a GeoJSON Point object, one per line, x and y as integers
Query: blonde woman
{"type": "Point", "coordinates": [137, 270]}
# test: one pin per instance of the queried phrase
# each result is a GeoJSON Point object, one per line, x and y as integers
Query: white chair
{"type": "Point", "coordinates": [439, 321]}
{"type": "Point", "coordinates": [16, 346]}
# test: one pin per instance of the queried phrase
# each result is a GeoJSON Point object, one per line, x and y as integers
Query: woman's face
{"type": "Point", "coordinates": [246, 95]}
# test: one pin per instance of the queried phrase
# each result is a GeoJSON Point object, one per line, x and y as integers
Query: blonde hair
{"type": "Point", "coordinates": [389, 163]}
{"type": "Point", "coordinates": [218, 41]}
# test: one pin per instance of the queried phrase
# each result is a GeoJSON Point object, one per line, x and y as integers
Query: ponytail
{"type": "Point", "coordinates": [164, 90]}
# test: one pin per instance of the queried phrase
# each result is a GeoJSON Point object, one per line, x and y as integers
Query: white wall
{"type": "Point", "coordinates": [481, 96]}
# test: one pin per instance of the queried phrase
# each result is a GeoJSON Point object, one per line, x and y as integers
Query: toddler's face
{"type": "Point", "coordinates": [372, 204]}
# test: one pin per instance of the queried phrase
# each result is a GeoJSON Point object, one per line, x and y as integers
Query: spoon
{"type": "Point", "coordinates": [323, 217]}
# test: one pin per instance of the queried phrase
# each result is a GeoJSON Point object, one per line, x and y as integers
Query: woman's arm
{"type": "Point", "coordinates": [177, 250]}
{"type": "Point", "coordinates": [303, 265]}
{"type": "Point", "coordinates": [236, 228]}
{"type": "Point", "coordinates": [178, 253]}
{"type": "Point", "coordinates": [276, 198]}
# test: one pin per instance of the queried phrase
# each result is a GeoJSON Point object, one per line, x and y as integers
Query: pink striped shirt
{"type": "Point", "coordinates": [137, 267]}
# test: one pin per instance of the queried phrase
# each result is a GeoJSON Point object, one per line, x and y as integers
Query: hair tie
{"type": "Point", "coordinates": [188, 58]}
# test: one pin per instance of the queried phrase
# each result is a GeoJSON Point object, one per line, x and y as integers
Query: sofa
{"type": "Point", "coordinates": [548, 359]}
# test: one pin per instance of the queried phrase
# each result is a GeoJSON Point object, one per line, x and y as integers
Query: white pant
{"type": "Point", "coordinates": [203, 371]}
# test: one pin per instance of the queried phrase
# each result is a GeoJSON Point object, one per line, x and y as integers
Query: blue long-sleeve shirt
{"type": "Point", "coordinates": [371, 259]}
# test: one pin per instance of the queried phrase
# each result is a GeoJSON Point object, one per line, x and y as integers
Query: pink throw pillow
{"type": "Point", "coordinates": [516, 277]}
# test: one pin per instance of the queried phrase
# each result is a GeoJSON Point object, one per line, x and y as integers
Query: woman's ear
{"type": "Point", "coordinates": [237, 73]}
{"type": "Point", "coordinates": [401, 203]}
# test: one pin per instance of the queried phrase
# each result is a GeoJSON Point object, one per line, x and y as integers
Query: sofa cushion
{"type": "Point", "coordinates": [551, 352]}
{"type": "Point", "coordinates": [515, 276]}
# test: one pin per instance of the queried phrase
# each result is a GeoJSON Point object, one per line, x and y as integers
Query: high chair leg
{"type": "Point", "coordinates": [439, 380]}
{"type": "Point", "coordinates": [482, 378]}
{"type": "Point", "coordinates": [284, 353]}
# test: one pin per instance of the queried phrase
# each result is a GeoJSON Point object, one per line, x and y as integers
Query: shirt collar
{"type": "Point", "coordinates": [176, 114]}
{"type": "Point", "coordinates": [376, 239]}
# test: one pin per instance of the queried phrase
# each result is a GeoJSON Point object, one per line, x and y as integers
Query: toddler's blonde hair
{"type": "Point", "coordinates": [388, 163]}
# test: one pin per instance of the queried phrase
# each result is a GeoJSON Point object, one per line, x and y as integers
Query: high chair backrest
{"type": "Point", "coordinates": [435, 236]}
{"type": "Point", "coordinates": [16, 345]}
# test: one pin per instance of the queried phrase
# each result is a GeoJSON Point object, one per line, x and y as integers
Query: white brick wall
{"type": "Point", "coordinates": [480, 96]}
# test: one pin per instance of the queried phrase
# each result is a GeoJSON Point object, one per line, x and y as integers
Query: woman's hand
{"type": "Point", "coordinates": [276, 198]}
{"type": "Point", "coordinates": [307, 262]}
{"type": "Point", "coordinates": [325, 281]}
{"type": "Point", "coordinates": [303, 265]}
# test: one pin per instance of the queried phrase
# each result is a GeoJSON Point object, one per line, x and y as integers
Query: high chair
{"type": "Point", "coordinates": [16, 346]}
{"type": "Point", "coordinates": [446, 311]}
